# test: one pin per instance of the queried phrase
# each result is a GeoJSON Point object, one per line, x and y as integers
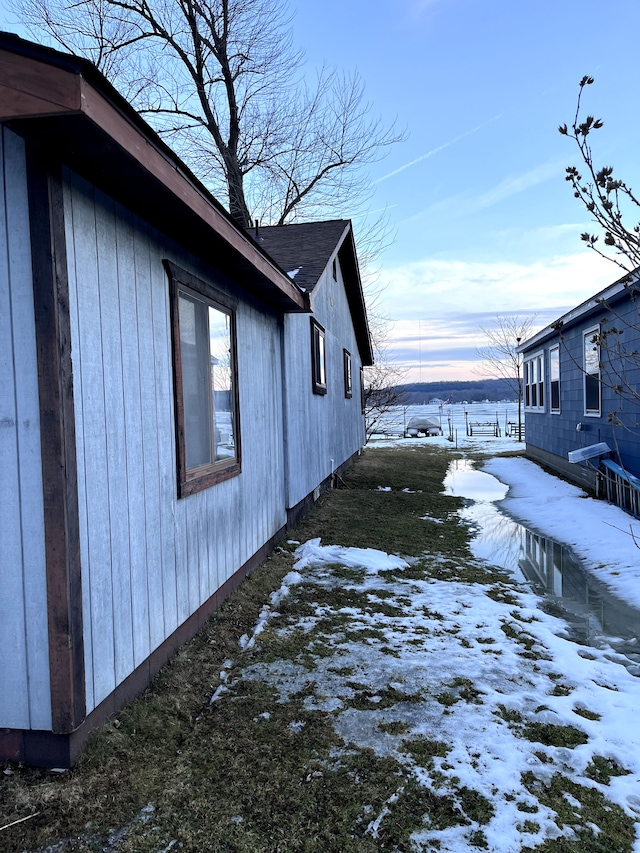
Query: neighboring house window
{"type": "Point", "coordinates": [318, 358]}
{"type": "Point", "coordinates": [592, 395]}
{"type": "Point", "coordinates": [206, 387]}
{"type": "Point", "coordinates": [534, 382]}
{"type": "Point", "coordinates": [554, 378]}
{"type": "Point", "coordinates": [348, 381]}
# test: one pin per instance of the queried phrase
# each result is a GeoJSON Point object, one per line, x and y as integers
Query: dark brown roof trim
{"type": "Point", "coordinates": [64, 103]}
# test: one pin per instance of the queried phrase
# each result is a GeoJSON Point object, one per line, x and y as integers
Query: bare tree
{"type": "Point", "coordinates": [500, 358]}
{"type": "Point", "coordinates": [615, 209]}
{"type": "Point", "coordinates": [381, 381]}
{"type": "Point", "coordinates": [222, 80]}
{"type": "Point", "coordinates": [610, 201]}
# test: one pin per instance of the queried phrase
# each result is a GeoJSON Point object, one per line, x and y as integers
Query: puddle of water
{"type": "Point", "coordinates": [462, 480]}
{"type": "Point", "coordinates": [597, 618]}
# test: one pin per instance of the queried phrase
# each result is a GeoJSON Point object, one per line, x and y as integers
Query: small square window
{"type": "Point", "coordinates": [205, 381]}
{"type": "Point", "coordinates": [348, 381]}
{"type": "Point", "coordinates": [318, 358]}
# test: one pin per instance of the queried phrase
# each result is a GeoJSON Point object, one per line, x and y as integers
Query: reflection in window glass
{"type": "Point", "coordinates": [221, 384]}
{"type": "Point", "coordinates": [348, 381]}
{"type": "Point", "coordinates": [554, 378]}
{"type": "Point", "coordinates": [591, 373]}
{"type": "Point", "coordinates": [207, 382]}
{"type": "Point", "coordinates": [318, 359]}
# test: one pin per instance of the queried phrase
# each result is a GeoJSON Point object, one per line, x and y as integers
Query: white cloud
{"type": "Point", "coordinates": [467, 205]}
{"type": "Point", "coordinates": [438, 306]}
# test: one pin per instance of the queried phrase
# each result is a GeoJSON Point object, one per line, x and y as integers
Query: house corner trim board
{"type": "Point", "coordinates": [59, 466]}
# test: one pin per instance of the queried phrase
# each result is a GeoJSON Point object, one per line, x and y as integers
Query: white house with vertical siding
{"type": "Point", "coordinates": [170, 399]}
{"type": "Point", "coordinates": [324, 352]}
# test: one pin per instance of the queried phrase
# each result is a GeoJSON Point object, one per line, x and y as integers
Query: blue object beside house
{"type": "Point", "coordinates": [581, 379]}
{"type": "Point", "coordinates": [170, 398]}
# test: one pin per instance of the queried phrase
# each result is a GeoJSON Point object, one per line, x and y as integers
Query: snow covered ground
{"type": "Point", "coordinates": [605, 538]}
{"type": "Point", "coordinates": [511, 711]}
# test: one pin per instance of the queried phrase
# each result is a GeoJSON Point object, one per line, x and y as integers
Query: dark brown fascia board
{"type": "Point", "coordinates": [39, 83]}
{"type": "Point", "coordinates": [355, 295]}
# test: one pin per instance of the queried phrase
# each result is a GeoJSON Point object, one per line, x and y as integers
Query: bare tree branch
{"type": "Point", "coordinates": [222, 81]}
{"type": "Point", "coordinates": [610, 201]}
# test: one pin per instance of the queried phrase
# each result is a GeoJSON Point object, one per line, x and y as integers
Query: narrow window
{"type": "Point", "coordinates": [554, 378]}
{"type": "Point", "coordinates": [534, 393]}
{"type": "Point", "coordinates": [592, 386]}
{"type": "Point", "coordinates": [334, 269]}
{"type": "Point", "coordinates": [205, 378]}
{"type": "Point", "coordinates": [318, 359]}
{"type": "Point", "coordinates": [540, 375]}
{"type": "Point", "coordinates": [348, 383]}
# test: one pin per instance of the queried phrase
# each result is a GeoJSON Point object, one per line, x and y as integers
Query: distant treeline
{"type": "Point", "coordinates": [476, 391]}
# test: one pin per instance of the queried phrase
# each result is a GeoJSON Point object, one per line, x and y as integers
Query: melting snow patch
{"type": "Point", "coordinates": [373, 561]}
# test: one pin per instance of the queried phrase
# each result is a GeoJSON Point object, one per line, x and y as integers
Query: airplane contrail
{"type": "Point", "coordinates": [436, 150]}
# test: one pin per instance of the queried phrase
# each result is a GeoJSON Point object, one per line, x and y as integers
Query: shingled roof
{"type": "Point", "coordinates": [304, 249]}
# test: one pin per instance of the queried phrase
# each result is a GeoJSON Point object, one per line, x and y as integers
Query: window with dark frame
{"type": "Point", "coordinates": [318, 358]}
{"type": "Point", "coordinates": [592, 384]}
{"type": "Point", "coordinates": [554, 378]}
{"type": "Point", "coordinates": [348, 380]}
{"type": "Point", "coordinates": [205, 379]}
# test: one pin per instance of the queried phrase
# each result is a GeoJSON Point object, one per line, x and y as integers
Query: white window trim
{"type": "Point", "coordinates": [528, 360]}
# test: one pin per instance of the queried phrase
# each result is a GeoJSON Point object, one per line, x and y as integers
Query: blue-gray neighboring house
{"type": "Point", "coordinates": [581, 377]}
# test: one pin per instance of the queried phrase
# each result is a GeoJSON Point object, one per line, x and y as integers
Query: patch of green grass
{"type": "Point", "coordinates": [349, 574]}
{"type": "Point", "coordinates": [561, 690]}
{"type": "Point", "coordinates": [615, 831]}
{"type": "Point", "coordinates": [423, 750]}
{"type": "Point", "coordinates": [447, 698]}
{"type": "Point", "coordinates": [417, 807]}
{"type": "Point", "coordinates": [342, 671]}
{"type": "Point", "coordinates": [550, 734]}
{"type": "Point", "coordinates": [366, 699]}
{"type": "Point", "coordinates": [466, 690]}
{"type": "Point", "coordinates": [394, 727]}
{"type": "Point", "coordinates": [587, 714]}
{"type": "Point", "coordinates": [529, 808]}
{"type": "Point", "coordinates": [477, 838]}
{"type": "Point", "coordinates": [387, 650]}
{"type": "Point", "coordinates": [529, 826]}
{"type": "Point", "coordinates": [357, 635]}
{"type": "Point", "coordinates": [509, 715]}
{"type": "Point", "coordinates": [601, 769]}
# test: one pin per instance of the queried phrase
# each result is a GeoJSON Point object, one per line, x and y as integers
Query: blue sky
{"type": "Point", "coordinates": [485, 223]}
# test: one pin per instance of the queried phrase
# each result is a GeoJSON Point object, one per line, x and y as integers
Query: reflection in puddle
{"type": "Point", "coordinates": [596, 616]}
